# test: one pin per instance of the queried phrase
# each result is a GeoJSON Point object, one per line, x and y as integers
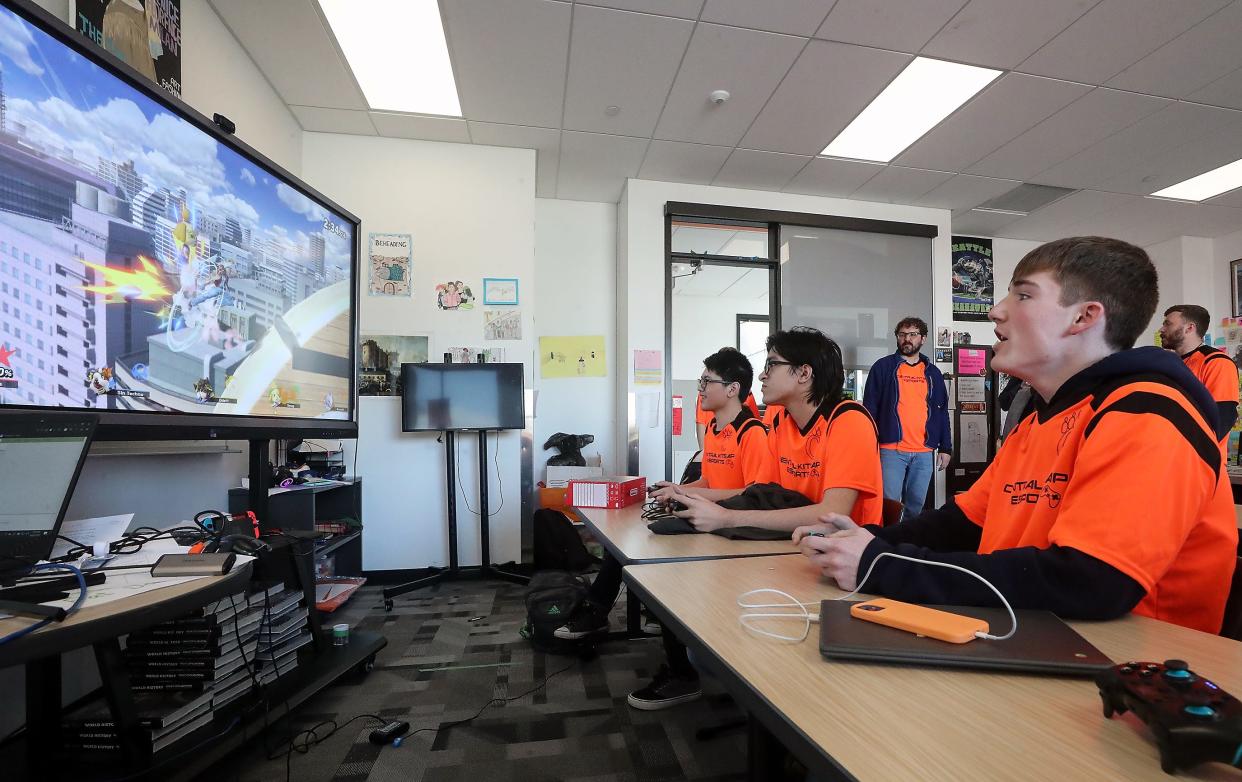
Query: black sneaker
{"type": "Point", "coordinates": [665, 691]}
{"type": "Point", "coordinates": [590, 621]}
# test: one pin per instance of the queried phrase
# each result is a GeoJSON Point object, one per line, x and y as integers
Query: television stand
{"type": "Point", "coordinates": [454, 571]}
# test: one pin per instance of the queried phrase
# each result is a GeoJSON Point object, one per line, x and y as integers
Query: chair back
{"type": "Point", "coordinates": [891, 512]}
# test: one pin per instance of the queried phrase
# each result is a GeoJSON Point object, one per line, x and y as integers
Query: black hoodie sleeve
{"type": "Point", "coordinates": [1063, 580]}
{"type": "Point", "coordinates": [943, 529]}
{"type": "Point", "coordinates": [1227, 416]}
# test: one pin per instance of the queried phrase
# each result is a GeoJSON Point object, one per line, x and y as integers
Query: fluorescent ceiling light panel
{"type": "Point", "coordinates": [916, 101]}
{"type": "Point", "coordinates": [397, 51]}
{"type": "Point", "coordinates": [1212, 183]}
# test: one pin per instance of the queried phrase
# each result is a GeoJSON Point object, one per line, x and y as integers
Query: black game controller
{"type": "Point", "coordinates": [1192, 719]}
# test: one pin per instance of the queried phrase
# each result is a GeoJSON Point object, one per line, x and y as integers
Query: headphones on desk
{"type": "Point", "coordinates": [237, 533]}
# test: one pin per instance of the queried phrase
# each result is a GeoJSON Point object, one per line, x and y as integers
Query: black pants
{"type": "Point", "coordinates": [604, 591]}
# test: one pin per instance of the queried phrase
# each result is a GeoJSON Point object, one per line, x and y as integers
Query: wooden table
{"type": "Point", "coordinates": [877, 722]}
{"type": "Point", "coordinates": [623, 533]}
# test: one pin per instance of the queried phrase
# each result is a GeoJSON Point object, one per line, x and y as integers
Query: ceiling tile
{"type": "Point", "coordinates": [545, 141]}
{"type": "Point", "coordinates": [1012, 105]}
{"type": "Point", "coordinates": [964, 191]}
{"type": "Point", "coordinates": [1137, 159]}
{"type": "Point", "coordinates": [747, 63]}
{"type": "Point", "coordinates": [831, 177]}
{"type": "Point", "coordinates": [622, 59]}
{"type": "Point", "coordinates": [1232, 198]}
{"type": "Point", "coordinates": [1003, 33]}
{"type": "Point", "coordinates": [1145, 221]}
{"type": "Point", "coordinates": [286, 66]}
{"type": "Point", "coordinates": [1114, 35]}
{"type": "Point", "coordinates": [1093, 117]}
{"type": "Point", "coordinates": [968, 223]}
{"type": "Point", "coordinates": [426, 128]}
{"type": "Point", "coordinates": [826, 88]}
{"type": "Point", "coordinates": [795, 17]}
{"type": "Point", "coordinates": [902, 25]}
{"type": "Point", "coordinates": [756, 170]}
{"type": "Point", "coordinates": [1190, 62]}
{"type": "Point", "coordinates": [900, 185]}
{"type": "Point", "coordinates": [594, 166]}
{"type": "Point", "coordinates": [1225, 91]}
{"type": "Point", "coordinates": [318, 120]}
{"type": "Point", "coordinates": [1054, 220]}
{"type": "Point", "coordinates": [509, 59]}
{"type": "Point", "coordinates": [683, 9]}
{"type": "Point", "coordinates": [674, 161]}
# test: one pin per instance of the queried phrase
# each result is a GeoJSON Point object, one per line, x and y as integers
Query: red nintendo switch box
{"type": "Point", "coordinates": [608, 491]}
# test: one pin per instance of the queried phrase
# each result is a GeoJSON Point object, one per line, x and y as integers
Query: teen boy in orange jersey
{"type": "Point", "coordinates": [823, 445]}
{"type": "Point", "coordinates": [1108, 497]}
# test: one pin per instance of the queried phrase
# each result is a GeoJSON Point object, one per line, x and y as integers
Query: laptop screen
{"type": "Point", "coordinates": [40, 458]}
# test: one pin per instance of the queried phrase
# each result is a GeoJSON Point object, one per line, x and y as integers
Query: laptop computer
{"type": "Point", "coordinates": [41, 457]}
{"type": "Point", "coordinates": [1042, 644]}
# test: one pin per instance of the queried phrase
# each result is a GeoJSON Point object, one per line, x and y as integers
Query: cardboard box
{"type": "Point", "coordinates": [610, 491]}
{"type": "Point", "coordinates": [559, 477]}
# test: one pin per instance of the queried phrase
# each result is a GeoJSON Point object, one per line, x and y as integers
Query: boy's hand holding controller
{"type": "Point", "coordinates": [835, 547]}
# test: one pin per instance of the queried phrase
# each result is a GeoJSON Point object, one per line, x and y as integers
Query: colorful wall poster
{"type": "Point", "coordinates": [390, 264]}
{"type": "Point", "coordinates": [972, 278]}
{"type": "Point", "coordinates": [572, 357]}
{"type": "Point", "coordinates": [502, 324]}
{"type": "Point", "coordinates": [454, 295]}
{"type": "Point", "coordinates": [972, 361]}
{"type": "Point", "coordinates": [380, 357]}
{"type": "Point", "coordinates": [648, 368]}
{"type": "Point", "coordinates": [500, 291]}
{"type": "Point", "coordinates": [145, 34]}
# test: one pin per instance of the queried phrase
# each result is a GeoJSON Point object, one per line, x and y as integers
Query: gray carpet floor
{"type": "Point", "coordinates": [453, 647]}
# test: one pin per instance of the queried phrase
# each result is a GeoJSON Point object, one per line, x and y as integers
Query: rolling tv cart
{"type": "Point", "coordinates": [454, 571]}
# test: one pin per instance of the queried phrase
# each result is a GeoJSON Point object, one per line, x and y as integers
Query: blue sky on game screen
{"type": "Point", "coordinates": [142, 263]}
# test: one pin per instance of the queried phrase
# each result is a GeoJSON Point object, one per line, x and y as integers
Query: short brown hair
{"type": "Point", "coordinates": [1094, 268]}
{"type": "Point", "coordinates": [1193, 313]}
{"type": "Point", "coordinates": [911, 321]}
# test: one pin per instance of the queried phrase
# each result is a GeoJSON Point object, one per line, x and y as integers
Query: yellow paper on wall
{"type": "Point", "coordinates": [572, 357]}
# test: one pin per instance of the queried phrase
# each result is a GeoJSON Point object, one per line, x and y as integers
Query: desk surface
{"type": "Point", "coordinates": [891, 722]}
{"type": "Point", "coordinates": [118, 617]}
{"type": "Point", "coordinates": [625, 535]}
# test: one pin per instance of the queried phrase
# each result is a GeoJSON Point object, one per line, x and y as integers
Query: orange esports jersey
{"type": "Point", "coordinates": [1130, 476]}
{"type": "Point", "coordinates": [911, 408]}
{"type": "Point", "coordinates": [737, 455]}
{"type": "Point", "coordinates": [705, 417]}
{"type": "Point", "coordinates": [1216, 370]}
{"type": "Point", "coordinates": [837, 449]}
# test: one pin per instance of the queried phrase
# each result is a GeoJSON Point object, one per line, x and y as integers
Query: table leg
{"type": "Point", "coordinates": [765, 757]}
{"type": "Point", "coordinates": [633, 614]}
{"type": "Point", "coordinates": [134, 748]}
{"type": "Point", "coordinates": [43, 694]}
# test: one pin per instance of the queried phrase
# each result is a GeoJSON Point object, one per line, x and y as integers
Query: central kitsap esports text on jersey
{"type": "Point", "coordinates": [737, 455]}
{"type": "Point", "coordinates": [837, 449]}
{"type": "Point", "coordinates": [1129, 473]}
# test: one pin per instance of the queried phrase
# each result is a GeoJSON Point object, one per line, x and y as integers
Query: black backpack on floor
{"type": "Point", "coordinates": [558, 546]}
{"type": "Point", "coordinates": [552, 600]}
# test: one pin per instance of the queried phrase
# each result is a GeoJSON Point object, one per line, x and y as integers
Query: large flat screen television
{"type": "Point", "coordinates": [455, 397]}
{"type": "Point", "coordinates": [154, 269]}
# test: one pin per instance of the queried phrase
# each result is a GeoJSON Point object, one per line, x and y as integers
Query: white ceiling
{"type": "Point", "coordinates": [1117, 98]}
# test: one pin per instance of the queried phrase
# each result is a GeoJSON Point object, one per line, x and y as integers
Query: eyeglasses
{"type": "Point", "coordinates": [704, 381]}
{"type": "Point", "coordinates": [767, 365]}
{"type": "Point", "coordinates": [910, 334]}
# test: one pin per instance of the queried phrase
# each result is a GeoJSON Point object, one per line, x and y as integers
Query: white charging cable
{"type": "Point", "coordinates": [808, 618]}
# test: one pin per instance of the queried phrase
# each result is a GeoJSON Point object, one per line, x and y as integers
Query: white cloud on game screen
{"type": "Point", "coordinates": [15, 43]}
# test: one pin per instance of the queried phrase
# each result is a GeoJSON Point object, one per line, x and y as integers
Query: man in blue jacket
{"type": "Point", "coordinates": [906, 396]}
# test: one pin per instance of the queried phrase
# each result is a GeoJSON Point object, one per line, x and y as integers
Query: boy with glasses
{"type": "Point", "coordinates": [735, 455]}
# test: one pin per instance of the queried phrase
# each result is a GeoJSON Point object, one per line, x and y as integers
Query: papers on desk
{"type": "Point", "coordinates": [90, 531]}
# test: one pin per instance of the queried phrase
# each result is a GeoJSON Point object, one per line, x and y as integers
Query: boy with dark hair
{"type": "Point", "coordinates": [823, 445]}
{"type": "Point", "coordinates": [1182, 332]}
{"type": "Point", "coordinates": [735, 455]}
{"type": "Point", "coordinates": [1109, 495]}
